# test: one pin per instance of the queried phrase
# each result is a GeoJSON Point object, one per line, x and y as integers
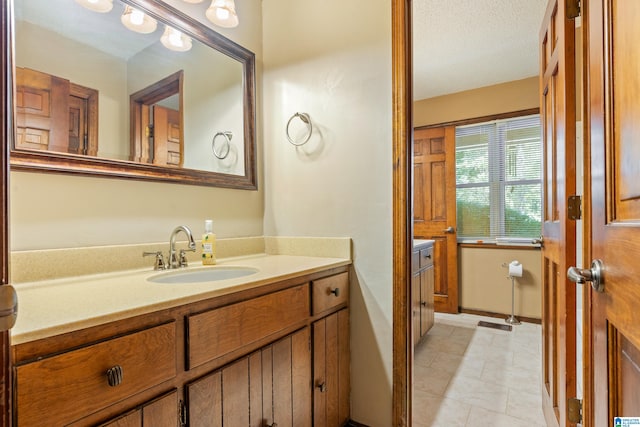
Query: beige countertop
{"type": "Point", "coordinates": [422, 243]}
{"type": "Point", "coordinates": [53, 307]}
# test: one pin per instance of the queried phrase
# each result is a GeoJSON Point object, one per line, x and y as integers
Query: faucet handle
{"type": "Point", "coordinates": [159, 264]}
{"type": "Point", "coordinates": [183, 256]}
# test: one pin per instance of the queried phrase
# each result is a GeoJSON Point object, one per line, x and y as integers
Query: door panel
{"type": "Point", "coordinates": [557, 87]}
{"type": "Point", "coordinates": [166, 137]}
{"type": "Point", "coordinates": [613, 51]}
{"type": "Point", "coordinates": [435, 208]}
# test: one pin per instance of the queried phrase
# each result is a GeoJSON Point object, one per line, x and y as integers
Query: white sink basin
{"type": "Point", "coordinates": [202, 275]}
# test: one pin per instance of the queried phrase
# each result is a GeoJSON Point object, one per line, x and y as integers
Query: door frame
{"type": "Point", "coordinates": [402, 99]}
{"type": "Point", "coordinates": [7, 136]}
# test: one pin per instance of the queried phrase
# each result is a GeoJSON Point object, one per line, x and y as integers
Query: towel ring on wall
{"type": "Point", "coordinates": [224, 151]}
{"type": "Point", "coordinates": [306, 120]}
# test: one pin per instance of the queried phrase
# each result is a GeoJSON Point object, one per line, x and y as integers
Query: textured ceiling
{"type": "Point", "coordinates": [465, 44]}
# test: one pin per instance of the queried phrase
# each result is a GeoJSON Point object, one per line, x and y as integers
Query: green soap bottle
{"type": "Point", "coordinates": [208, 244]}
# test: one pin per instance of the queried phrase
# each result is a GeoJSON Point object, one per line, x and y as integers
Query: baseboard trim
{"type": "Point", "coordinates": [352, 423]}
{"type": "Point", "coordinates": [499, 315]}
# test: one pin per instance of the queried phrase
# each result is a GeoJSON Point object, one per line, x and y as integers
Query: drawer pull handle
{"type": "Point", "coordinates": [114, 376]}
{"type": "Point", "coordinates": [322, 387]}
{"type": "Point", "coordinates": [335, 291]}
{"type": "Point", "coordinates": [272, 425]}
{"type": "Point", "coordinates": [428, 256]}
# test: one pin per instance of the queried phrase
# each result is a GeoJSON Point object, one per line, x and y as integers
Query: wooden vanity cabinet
{"type": "Point", "coordinates": [422, 284]}
{"type": "Point", "coordinates": [250, 358]}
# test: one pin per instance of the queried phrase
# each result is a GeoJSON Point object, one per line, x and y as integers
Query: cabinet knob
{"type": "Point", "coordinates": [322, 387]}
{"type": "Point", "coordinates": [423, 303]}
{"type": "Point", "coordinates": [114, 376]}
{"type": "Point", "coordinates": [335, 291]}
{"type": "Point", "coordinates": [272, 425]}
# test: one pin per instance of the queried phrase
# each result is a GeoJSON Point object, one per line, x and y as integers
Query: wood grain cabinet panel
{"type": "Point", "coordinates": [330, 292]}
{"type": "Point", "coordinates": [331, 370]}
{"type": "Point", "coordinates": [422, 292]}
{"type": "Point", "coordinates": [161, 412]}
{"type": "Point", "coordinates": [217, 332]}
{"type": "Point", "coordinates": [63, 388]}
{"type": "Point", "coordinates": [269, 387]}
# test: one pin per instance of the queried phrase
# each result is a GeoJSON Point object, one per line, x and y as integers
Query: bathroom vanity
{"type": "Point", "coordinates": [266, 349]}
{"type": "Point", "coordinates": [422, 282]}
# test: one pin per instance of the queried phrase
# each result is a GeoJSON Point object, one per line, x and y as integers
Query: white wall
{"type": "Point", "coordinates": [61, 211]}
{"type": "Point", "coordinates": [332, 60]}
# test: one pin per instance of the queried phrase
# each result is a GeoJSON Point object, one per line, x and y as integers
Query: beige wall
{"type": "Point", "coordinates": [501, 98]}
{"type": "Point", "coordinates": [321, 61]}
{"type": "Point", "coordinates": [61, 211]}
{"type": "Point", "coordinates": [484, 284]}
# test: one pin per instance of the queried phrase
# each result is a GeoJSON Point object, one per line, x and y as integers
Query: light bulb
{"type": "Point", "coordinates": [138, 21]}
{"type": "Point", "coordinates": [101, 6]}
{"type": "Point", "coordinates": [223, 13]}
{"type": "Point", "coordinates": [174, 40]}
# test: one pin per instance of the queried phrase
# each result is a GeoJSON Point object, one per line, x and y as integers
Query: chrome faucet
{"type": "Point", "coordinates": [181, 261]}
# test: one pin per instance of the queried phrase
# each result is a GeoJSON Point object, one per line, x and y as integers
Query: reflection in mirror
{"type": "Point", "coordinates": [151, 92]}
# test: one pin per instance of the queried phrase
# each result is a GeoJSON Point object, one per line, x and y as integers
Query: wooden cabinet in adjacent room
{"type": "Point", "coordinates": [422, 284]}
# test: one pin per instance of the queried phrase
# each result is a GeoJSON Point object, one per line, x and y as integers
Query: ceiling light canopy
{"type": "Point", "coordinates": [138, 21]}
{"type": "Point", "coordinates": [102, 6]}
{"type": "Point", "coordinates": [223, 13]}
{"type": "Point", "coordinates": [173, 39]}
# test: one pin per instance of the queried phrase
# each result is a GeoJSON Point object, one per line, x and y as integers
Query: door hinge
{"type": "Point", "coordinates": [182, 413]}
{"type": "Point", "coordinates": [8, 307]}
{"type": "Point", "coordinates": [574, 208]}
{"type": "Point", "coordinates": [573, 8]}
{"type": "Point", "coordinates": [574, 410]}
{"type": "Point", "coordinates": [148, 131]}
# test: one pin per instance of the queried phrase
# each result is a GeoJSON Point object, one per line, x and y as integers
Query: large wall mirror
{"type": "Point", "coordinates": [139, 90]}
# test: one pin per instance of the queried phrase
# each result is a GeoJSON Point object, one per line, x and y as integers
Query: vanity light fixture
{"type": "Point", "coordinates": [223, 13]}
{"type": "Point", "coordinates": [102, 6]}
{"type": "Point", "coordinates": [138, 21]}
{"type": "Point", "coordinates": [173, 39]}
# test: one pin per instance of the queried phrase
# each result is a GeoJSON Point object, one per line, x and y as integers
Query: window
{"type": "Point", "coordinates": [498, 179]}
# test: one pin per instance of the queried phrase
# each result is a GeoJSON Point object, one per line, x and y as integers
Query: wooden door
{"type": "Point", "coordinates": [612, 38]}
{"type": "Point", "coordinates": [434, 208]}
{"type": "Point", "coordinates": [42, 107]}
{"type": "Point", "coordinates": [557, 105]}
{"type": "Point", "coordinates": [7, 138]}
{"type": "Point", "coordinates": [167, 145]}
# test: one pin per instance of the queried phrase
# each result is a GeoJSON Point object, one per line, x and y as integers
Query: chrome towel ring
{"type": "Point", "coordinates": [304, 117]}
{"type": "Point", "coordinates": [224, 149]}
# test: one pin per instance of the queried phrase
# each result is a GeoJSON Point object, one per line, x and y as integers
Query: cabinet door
{"type": "Point", "coordinates": [286, 377]}
{"type": "Point", "coordinates": [161, 412]}
{"type": "Point", "coordinates": [426, 300]}
{"type": "Point", "coordinates": [416, 307]}
{"type": "Point", "coordinates": [331, 370]}
{"type": "Point", "coordinates": [270, 386]}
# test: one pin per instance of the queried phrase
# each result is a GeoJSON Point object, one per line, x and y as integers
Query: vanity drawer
{"type": "Point", "coordinates": [329, 292]}
{"type": "Point", "coordinates": [426, 257]}
{"type": "Point", "coordinates": [217, 332]}
{"type": "Point", "coordinates": [68, 386]}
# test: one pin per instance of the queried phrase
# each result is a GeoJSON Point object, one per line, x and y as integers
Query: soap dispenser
{"type": "Point", "coordinates": [208, 244]}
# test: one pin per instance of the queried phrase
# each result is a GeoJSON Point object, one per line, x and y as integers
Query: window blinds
{"type": "Point", "coordinates": [498, 179]}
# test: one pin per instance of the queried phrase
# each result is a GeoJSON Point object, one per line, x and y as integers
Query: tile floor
{"type": "Point", "coordinates": [466, 375]}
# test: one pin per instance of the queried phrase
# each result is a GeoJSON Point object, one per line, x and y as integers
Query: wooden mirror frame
{"type": "Point", "coordinates": [51, 162]}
